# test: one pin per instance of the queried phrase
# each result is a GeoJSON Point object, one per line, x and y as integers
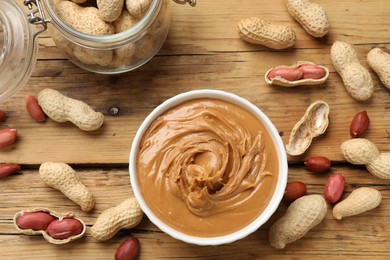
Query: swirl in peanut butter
{"type": "Point", "coordinates": [205, 154]}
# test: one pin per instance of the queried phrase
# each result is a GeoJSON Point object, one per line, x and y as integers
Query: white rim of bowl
{"type": "Point", "coordinates": [279, 146]}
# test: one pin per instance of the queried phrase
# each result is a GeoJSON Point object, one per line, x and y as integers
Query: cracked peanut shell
{"type": "Point", "coordinates": [314, 122]}
{"type": "Point", "coordinates": [279, 81]}
{"type": "Point", "coordinates": [55, 214]}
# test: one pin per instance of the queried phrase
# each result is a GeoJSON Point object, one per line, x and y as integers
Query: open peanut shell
{"type": "Point", "coordinates": [31, 232]}
{"type": "Point", "coordinates": [314, 123]}
{"type": "Point", "coordinates": [279, 81]}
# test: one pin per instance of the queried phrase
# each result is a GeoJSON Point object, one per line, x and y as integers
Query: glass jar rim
{"type": "Point", "coordinates": [105, 41]}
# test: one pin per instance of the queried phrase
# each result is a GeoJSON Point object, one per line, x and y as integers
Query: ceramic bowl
{"type": "Point", "coordinates": [282, 159]}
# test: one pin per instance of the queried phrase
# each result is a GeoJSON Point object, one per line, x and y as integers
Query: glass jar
{"type": "Point", "coordinates": [115, 53]}
{"type": "Point", "coordinates": [17, 48]}
{"type": "Point", "coordinates": [110, 54]}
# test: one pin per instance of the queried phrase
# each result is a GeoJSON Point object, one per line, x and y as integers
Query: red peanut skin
{"type": "Point", "coordinates": [290, 74]}
{"type": "Point", "coordinates": [65, 228]}
{"type": "Point", "coordinates": [334, 187]}
{"type": "Point", "coordinates": [317, 164]}
{"type": "Point", "coordinates": [3, 116]}
{"type": "Point", "coordinates": [294, 190]}
{"type": "Point", "coordinates": [7, 137]}
{"type": "Point", "coordinates": [35, 220]}
{"type": "Point", "coordinates": [8, 169]}
{"type": "Point", "coordinates": [359, 124]}
{"type": "Point", "coordinates": [312, 71]}
{"type": "Point", "coordinates": [34, 109]}
{"type": "Point", "coordinates": [128, 250]}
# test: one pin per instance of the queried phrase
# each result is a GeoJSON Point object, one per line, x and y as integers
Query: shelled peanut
{"type": "Point", "coordinates": [56, 228]}
{"type": "Point", "coordinates": [34, 109]}
{"type": "Point", "coordinates": [3, 115]}
{"type": "Point", "coordinates": [317, 164]}
{"type": "Point", "coordinates": [301, 73]}
{"type": "Point", "coordinates": [334, 187]}
{"type": "Point", "coordinates": [294, 190]}
{"type": "Point", "coordinates": [62, 177]}
{"type": "Point", "coordinates": [7, 137]}
{"type": "Point", "coordinates": [128, 249]}
{"type": "Point", "coordinates": [8, 169]}
{"type": "Point", "coordinates": [359, 124]}
{"type": "Point", "coordinates": [126, 215]}
{"type": "Point", "coordinates": [314, 122]}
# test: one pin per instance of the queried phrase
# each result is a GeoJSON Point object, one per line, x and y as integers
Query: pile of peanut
{"type": "Point", "coordinates": [62, 228]}
{"type": "Point", "coordinates": [104, 18]}
{"type": "Point", "coordinates": [313, 18]}
{"type": "Point", "coordinates": [306, 211]}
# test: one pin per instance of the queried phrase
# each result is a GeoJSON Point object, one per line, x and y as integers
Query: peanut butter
{"type": "Point", "coordinates": [207, 167]}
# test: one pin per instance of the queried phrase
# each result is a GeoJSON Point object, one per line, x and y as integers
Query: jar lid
{"type": "Point", "coordinates": [18, 48]}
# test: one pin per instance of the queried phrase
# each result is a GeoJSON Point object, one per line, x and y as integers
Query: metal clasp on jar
{"type": "Point", "coordinates": [37, 16]}
{"type": "Point", "coordinates": [191, 2]}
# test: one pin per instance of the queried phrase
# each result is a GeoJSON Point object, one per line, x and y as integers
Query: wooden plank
{"type": "Point", "coordinates": [138, 92]}
{"type": "Point", "coordinates": [212, 26]}
{"type": "Point", "coordinates": [365, 235]}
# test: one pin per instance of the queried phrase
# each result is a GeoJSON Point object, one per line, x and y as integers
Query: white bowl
{"type": "Point", "coordinates": [282, 175]}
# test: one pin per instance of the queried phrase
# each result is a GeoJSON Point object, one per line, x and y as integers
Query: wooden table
{"type": "Point", "coordinates": [203, 50]}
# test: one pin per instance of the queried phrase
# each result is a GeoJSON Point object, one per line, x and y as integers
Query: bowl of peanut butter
{"type": "Point", "coordinates": [208, 167]}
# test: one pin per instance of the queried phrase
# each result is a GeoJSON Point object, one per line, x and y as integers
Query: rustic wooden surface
{"type": "Point", "coordinates": [203, 50]}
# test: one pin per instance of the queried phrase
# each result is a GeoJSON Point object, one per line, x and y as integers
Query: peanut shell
{"type": "Point", "coordinates": [126, 215]}
{"type": "Point", "coordinates": [137, 8]}
{"type": "Point", "coordinates": [123, 55]}
{"type": "Point", "coordinates": [359, 201]}
{"type": "Point", "coordinates": [357, 80]}
{"type": "Point", "coordinates": [361, 151]}
{"type": "Point", "coordinates": [301, 216]}
{"type": "Point", "coordinates": [314, 123]}
{"type": "Point", "coordinates": [62, 177]}
{"type": "Point", "coordinates": [300, 82]}
{"type": "Point", "coordinates": [48, 238]}
{"type": "Point", "coordinates": [380, 167]}
{"type": "Point", "coordinates": [61, 108]}
{"type": "Point", "coordinates": [379, 61]}
{"type": "Point", "coordinates": [109, 10]}
{"type": "Point", "coordinates": [311, 16]}
{"type": "Point", "coordinates": [257, 31]}
{"type": "Point", "coordinates": [84, 19]}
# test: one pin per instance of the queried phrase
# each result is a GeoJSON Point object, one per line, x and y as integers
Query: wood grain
{"type": "Point", "coordinates": [202, 51]}
{"type": "Point", "coordinates": [364, 235]}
